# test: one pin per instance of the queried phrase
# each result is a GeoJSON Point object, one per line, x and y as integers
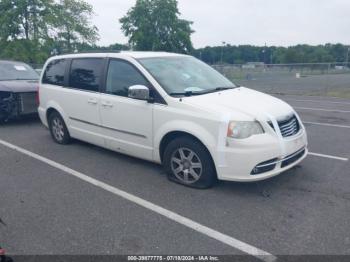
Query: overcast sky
{"type": "Point", "coordinates": [256, 22]}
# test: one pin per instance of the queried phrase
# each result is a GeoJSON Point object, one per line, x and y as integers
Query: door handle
{"type": "Point", "coordinates": [92, 101]}
{"type": "Point", "coordinates": [106, 104]}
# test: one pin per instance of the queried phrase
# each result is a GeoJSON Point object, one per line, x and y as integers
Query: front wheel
{"type": "Point", "coordinates": [188, 162]}
{"type": "Point", "coordinates": [58, 129]}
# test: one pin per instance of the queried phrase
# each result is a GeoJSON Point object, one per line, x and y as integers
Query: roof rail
{"type": "Point", "coordinates": [92, 51]}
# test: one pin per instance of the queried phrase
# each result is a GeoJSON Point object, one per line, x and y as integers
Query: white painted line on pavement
{"type": "Point", "coordinates": [233, 242]}
{"type": "Point", "coordinates": [317, 101]}
{"type": "Point", "coordinates": [321, 109]}
{"type": "Point", "coordinates": [325, 124]}
{"type": "Point", "coordinates": [329, 156]}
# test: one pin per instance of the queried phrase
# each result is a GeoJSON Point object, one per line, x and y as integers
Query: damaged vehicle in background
{"type": "Point", "coordinates": [18, 90]}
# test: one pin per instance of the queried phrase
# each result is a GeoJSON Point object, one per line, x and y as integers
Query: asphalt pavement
{"type": "Point", "coordinates": [44, 210]}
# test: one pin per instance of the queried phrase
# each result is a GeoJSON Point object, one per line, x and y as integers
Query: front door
{"type": "Point", "coordinates": [127, 123]}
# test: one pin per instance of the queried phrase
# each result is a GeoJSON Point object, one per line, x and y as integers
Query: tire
{"type": "Point", "coordinates": [58, 129]}
{"type": "Point", "coordinates": [188, 162]}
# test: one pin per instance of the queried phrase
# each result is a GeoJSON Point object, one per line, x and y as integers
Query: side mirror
{"type": "Point", "coordinates": [139, 92]}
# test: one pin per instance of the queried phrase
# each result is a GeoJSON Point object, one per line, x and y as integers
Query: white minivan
{"type": "Point", "coordinates": [171, 109]}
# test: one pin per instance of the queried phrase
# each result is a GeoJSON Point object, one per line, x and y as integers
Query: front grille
{"type": "Point", "coordinates": [289, 127]}
{"type": "Point", "coordinates": [28, 103]}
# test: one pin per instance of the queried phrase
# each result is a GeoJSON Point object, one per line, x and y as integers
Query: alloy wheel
{"type": "Point", "coordinates": [58, 129]}
{"type": "Point", "coordinates": [186, 165]}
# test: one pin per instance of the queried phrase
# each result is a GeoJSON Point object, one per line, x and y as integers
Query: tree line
{"type": "Point", "coordinates": [229, 54]}
{"type": "Point", "coordinates": [33, 30]}
{"type": "Point", "coordinates": [241, 54]}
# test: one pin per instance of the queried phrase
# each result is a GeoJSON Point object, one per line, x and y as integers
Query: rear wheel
{"type": "Point", "coordinates": [58, 129]}
{"type": "Point", "coordinates": [187, 162]}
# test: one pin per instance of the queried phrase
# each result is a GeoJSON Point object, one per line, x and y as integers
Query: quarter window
{"type": "Point", "coordinates": [121, 75]}
{"type": "Point", "coordinates": [54, 72]}
{"type": "Point", "coordinates": [86, 74]}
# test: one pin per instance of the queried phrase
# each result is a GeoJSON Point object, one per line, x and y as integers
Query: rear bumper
{"type": "Point", "coordinates": [42, 116]}
{"type": "Point", "coordinates": [266, 154]}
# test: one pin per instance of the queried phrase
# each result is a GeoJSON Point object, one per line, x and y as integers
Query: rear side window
{"type": "Point", "coordinates": [121, 75]}
{"type": "Point", "coordinates": [86, 74]}
{"type": "Point", "coordinates": [54, 72]}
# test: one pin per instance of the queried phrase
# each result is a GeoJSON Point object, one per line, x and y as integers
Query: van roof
{"type": "Point", "coordinates": [132, 54]}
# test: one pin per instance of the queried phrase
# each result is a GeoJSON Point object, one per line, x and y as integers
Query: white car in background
{"type": "Point", "coordinates": [174, 110]}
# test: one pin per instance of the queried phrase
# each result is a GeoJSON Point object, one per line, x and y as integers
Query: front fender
{"type": "Point", "coordinates": [189, 127]}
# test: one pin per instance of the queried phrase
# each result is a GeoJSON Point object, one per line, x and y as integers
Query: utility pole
{"type": "Point", "coordinates": [222, 52]}
{"type": "Point", "coordinates": [264, 52]}
{"type": "Point", "coordinates": [271, 56]}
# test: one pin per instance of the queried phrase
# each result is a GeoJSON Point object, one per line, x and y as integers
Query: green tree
{"type": "Point", "coordinates": [73, 24]}
{"type": "Point", "coordinates": [24, 27]}
{"type": "Point", "coordinates": [155, 25]}
{"type": "Point", "coordinates": [28, 19]}
{"type": "Point", "coordinates": [338, 51]}
{"type": "Point", "coordinates": [280, 55]}
{"type": "Point", "coordinates": [31, 29]}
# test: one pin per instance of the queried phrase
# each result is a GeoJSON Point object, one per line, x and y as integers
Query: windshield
{"type": "Point", "coordinates": [183, 75]}
{"type": "Point", "coordinates": [16, 71]}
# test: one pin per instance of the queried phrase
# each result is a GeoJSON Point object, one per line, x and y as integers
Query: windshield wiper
{"type": "Point", "coordinates": [187, 93]}
{"type": "Point", "coordinates": [225, 88]}
{"type": "Point", "coordinates": [191, 93]}
{"type": "Point", "coordinates": [217, 89]}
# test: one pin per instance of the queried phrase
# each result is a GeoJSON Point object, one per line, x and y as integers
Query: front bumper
{"type": "Point", "coordinates": [272, 154]}
{"type": "Point", "coordinates": [13, 105]}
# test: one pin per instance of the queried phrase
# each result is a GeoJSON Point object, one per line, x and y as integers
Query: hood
{"type": "Point", "coordinates": [242, 104]}
{"type": "Point", "coordinates": [19, 86]}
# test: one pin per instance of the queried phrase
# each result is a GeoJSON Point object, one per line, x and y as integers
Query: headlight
{"type": "Point", "coordinates": [241, 130]}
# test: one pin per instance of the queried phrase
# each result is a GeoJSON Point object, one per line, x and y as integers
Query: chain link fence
{"type": "Point", "coordinates": [324, 79]}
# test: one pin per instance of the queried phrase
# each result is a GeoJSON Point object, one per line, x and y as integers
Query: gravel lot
{"type": "Point", "coordinates": [46, 211]}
